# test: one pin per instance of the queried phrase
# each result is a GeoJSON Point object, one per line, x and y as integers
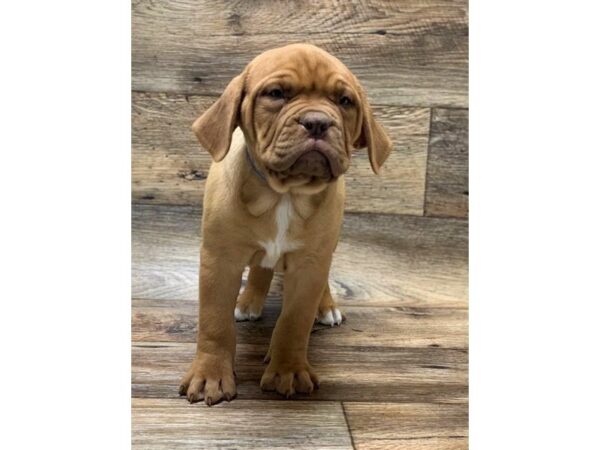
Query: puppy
{"type": "Point", "coordinates": [281, 137]}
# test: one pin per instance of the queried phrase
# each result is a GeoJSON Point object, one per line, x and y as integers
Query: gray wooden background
{"type": "Point", "coordinates": [412, 57]}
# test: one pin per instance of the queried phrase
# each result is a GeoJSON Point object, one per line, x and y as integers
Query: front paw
{"type": "Point", "coordinates": [210, 378]}
{"type": "Point", "coordinates": [289, 378]}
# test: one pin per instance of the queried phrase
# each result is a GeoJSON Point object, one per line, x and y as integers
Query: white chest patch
{"type": "Point", "coordinates": [281, 244]}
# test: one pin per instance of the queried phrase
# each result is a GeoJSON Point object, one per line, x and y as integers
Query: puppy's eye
{"type": "Point", "coordinates": [275, 93]}
{"type": "Point", "coordinates": [346, 101]}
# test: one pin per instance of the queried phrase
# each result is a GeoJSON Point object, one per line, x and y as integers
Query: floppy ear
{"type": "Point", "coordinates": [373, 136]}
{"type": "Point", "coordinates": [215, 127]}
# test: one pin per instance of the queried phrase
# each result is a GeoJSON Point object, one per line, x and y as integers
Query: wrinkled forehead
{"type": "Point", "coordinates": [301, 67]}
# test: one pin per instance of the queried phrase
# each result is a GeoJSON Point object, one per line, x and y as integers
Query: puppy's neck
{"type": "Point", "coordinates": [252, 164]}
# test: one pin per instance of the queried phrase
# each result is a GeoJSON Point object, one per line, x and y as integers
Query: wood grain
{"type": "Point", "coordinates": [176, 321]}
{"type": "Point", "coordinates": [425, 443]}
{"type": "Point", "coordinates": [448, 164]}
{"type": "Point", "coordinates": [420, 261]}
{"type": "Point", "coordinates": [170, 167]}
{"type": "Point", "coordinates": [378, 353]}
{"type": "Point", "coordinates": [423, 62]}
{"type": "Point", "coordinates": [395, 422]}
{"type": "Point", "coordinates": [168, 164]}
{"type": "Point", "coordinates": [174, 424]}
{"type": "Point", "coordinates": [227, 17]}
{"type": "Point", "coordinates": [348, 373]}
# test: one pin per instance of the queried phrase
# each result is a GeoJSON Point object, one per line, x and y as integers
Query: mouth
{"type": "Point", "coordinates": [315, 159]}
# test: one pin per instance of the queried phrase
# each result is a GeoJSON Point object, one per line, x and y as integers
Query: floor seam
{"type": "Point", "coordinates": [348, 426]}
{"type": "Point", "coordinates": [426, 187]}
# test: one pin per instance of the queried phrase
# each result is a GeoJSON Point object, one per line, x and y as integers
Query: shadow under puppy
{"type": "Point", "coordinates": [281, 137]}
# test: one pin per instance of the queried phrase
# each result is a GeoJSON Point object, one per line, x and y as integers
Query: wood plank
{"type": "Point", "coordinates": [427, 443]}
{"type": "Point", "coordinates": [170, 167]}
{"type": "Point", "coordinates": [226, 17]}
{"type": "Point", "coordinates": [348, 373]}
{"type": "Point", "coordinates": [425, 425]}
{"type": "Point", "coordinates": [448, 164]}
{"type": "Point", "coordinates": [165, 252]}
{"type": "Point", "coordinates": [177, 321]}
{"type": "Point", "coordinates": [423, 62]}
{"type": "Point", "coordinates": [174, 424]}
{"type": "Point", "coordinates": [168, 164]}
{"type": "Point", "coordinates": [421, 261]}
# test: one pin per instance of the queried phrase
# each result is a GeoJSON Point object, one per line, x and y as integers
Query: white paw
{"type": "Point", "coordinates": [241, 316]}
{"type": "Point", "coordinates": [331, 317]}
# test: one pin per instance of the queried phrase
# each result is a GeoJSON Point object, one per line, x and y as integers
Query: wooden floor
{"type": "Point", "coordinates": [394, 375]}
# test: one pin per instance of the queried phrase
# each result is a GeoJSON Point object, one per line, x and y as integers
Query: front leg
{"type": "Point", "coordinates": [305, 281]}
{"type": "Point", "coordinates": [211, 374]}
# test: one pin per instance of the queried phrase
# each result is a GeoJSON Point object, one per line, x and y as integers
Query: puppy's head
{"type": "Point", "coordinates": [302, 112]}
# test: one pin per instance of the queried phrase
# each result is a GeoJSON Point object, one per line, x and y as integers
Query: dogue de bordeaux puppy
{"type": "Point", "coordinates": [280, 137]}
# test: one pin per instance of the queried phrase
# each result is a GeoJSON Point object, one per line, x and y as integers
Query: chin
{"type": "Point", "coordinates": [309, 169]}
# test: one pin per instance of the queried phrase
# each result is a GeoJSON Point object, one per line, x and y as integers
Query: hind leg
{"type": "Point", "coordinates": [250, 302]}
{"type": "Point", "coordinates": [329, 313]}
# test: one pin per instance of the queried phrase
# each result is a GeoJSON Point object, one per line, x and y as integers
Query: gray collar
{"type": "Point", "coordinates": [253, 165]}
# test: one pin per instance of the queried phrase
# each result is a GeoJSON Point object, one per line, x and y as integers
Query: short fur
{"type": "Point", "coordinates": [287, 217]}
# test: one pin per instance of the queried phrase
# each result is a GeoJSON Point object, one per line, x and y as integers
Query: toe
{"type": "Point", "coordinates": [267, 382]}
{"type": "Point", "coordinates": [212, 392]}
{"type": "Point", "coordinates": [240, 315]}
{"type": "Point", "coordinates": [194, 392]}
{"type": "Point", "coordinates": [337, 316]}
{"type": "Point", "coordinates": [244, 313]}
{"type": "Point", "coordinates": [185, 382]}
{"type": "Point", "coordinates": [285, 386]}
{"type": "Point", "coordinates": [327, 318]}
{"type": "Point", "coordinates": [267, 358]}
{"type": "Point", "coordinates": [332, 317]}
{"type": "Point", "coordinates": [313, 377]}
{"type": "Point", "coordinates": [303, 383]}
{"type": "Point", "coordinates": [183, 388]}
{"type": "Point", "coordinates": [228, 387]}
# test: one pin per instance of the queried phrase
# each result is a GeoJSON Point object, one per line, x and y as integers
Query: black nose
{"type": "Point", "coordinates": [316, 123]}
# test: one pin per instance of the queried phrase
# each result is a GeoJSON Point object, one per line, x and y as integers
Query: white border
{"type": "Point", "coordinates": [534, 171]}
{"type": "Point", "coordinates": [65, 237]}
{"type": "Point", "coordinates": [65, 228]}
